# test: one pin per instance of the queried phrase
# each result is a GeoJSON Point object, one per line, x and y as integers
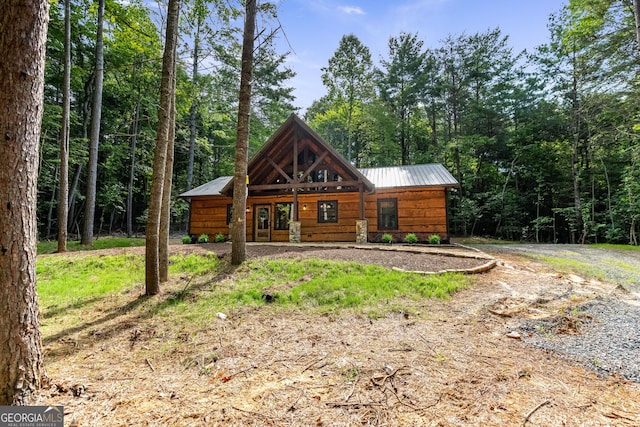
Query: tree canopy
{"type": "Point", "coordinates": [544, 143]}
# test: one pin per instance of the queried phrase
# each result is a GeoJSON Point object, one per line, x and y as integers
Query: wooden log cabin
{"type": "Point", "coordinates": [301, 190]}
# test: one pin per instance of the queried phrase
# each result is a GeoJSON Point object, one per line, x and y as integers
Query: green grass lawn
{"type": "Point", "coordinates": [72, 288]}
{"type": "Point", "coordinates": [616, 247]}
{"type": "Point", "coordinates": [50, 247]}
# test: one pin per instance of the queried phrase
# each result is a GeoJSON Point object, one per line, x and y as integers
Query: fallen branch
{"type": "Point", "coordinates": [351, 405]}
{"type": "Point", "coordinates": [531, 412]}
{"type": "Point", "coordinates": [313, 363]}
{"type": "Point", "coordinates": [613, 415]}
{"type": "Point", "coordinates": [355, 383]}
{"type": "Point", "coordinates": [408, 405]}
{"type": "Point", "coordinates": [150, 365]}
{"type": "Point", "coordinates": [292, 407]}
{"type": "Point", "coordinates": [386, 377]}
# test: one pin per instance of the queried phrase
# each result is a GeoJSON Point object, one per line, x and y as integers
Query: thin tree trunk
{"type": "Point", "coordinates": [193, 111]}
{"type": "Point", "coordinates": [239, 229]}
{"type": "Point", "coordinates": [165, 215]}
{"type": "Point", "coordinates": [575, 171]}
{"type": "Point", "coordinates": [152, 254]}
{"type": "Point", "coordinates": [132, 164]}
{"type": "Point", "coordinates": [63, 198]}
{"type": "Point", "coordinates": [72, 195]}
{"type": "Point", "coordinates": [96, 113]}
{"type": "Point", "coordinates": [51, 204]}
{"type": "Point", "coordinates": [23, 36]}
{"type": "Point", "coordinates": [538, 197]}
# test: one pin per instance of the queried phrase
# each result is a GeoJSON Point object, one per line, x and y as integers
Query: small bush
{"type": "Point", "coordinates": [186, 240]}
{"type": "Point", "coordinates": [434, 239]}
{"type": "Point", "coordinates": [203, 238]}
{"type": "Point", "coordinates": [386, 238]}
{"type": "Point", "coordinates": [411, 239]}
{"type": "Point", "coordinates": [219, 238]}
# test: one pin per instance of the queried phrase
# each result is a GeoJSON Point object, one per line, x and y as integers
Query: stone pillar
{"type": "Point", "coordinates": [362, 230]}
{"type": "Point", "coordinates": [294, 232]}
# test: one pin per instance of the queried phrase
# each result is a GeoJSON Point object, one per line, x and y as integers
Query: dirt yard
{"type": "Point", "coordinates": [461, 362]}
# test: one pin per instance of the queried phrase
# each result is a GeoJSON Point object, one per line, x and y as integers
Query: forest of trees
{"type": "Point", "coordinates": [544, 144]}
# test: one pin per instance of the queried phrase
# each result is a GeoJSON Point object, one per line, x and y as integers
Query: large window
{"type": "Point", "coordinates": [283, 216]}
{"type": "Point", "coordinates": [328, 211]}
{"type": "Point", "coordinates": [387, 214]}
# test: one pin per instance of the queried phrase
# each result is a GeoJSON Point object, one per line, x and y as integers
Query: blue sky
{"type": "Point", "coordinates": [314, 28]}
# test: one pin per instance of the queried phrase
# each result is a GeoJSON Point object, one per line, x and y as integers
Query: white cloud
{"type": "Point", "coordinates": [351, 10]}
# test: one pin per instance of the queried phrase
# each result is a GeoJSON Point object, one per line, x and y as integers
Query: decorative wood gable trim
{"type": "Point", "coordinates": [290, 158]}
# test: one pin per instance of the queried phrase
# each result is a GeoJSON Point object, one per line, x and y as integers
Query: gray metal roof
{"type": "Point", "coordinates": [211, 188]}
{"type": "Point", "coordinates": [429, 175]}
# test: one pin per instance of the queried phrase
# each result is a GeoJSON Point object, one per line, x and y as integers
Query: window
{"type": "Point", "coordinates": [229, 213]}
{"type": "Point", "coordinates": [387, 214]}
{"type": "Point", "coordinates": [283, 216]}
{"type": "Point", "coordinates": [328, 211]}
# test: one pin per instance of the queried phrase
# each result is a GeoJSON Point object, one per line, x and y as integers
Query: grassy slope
{"type": "Point", "coordinates": [71, 289]}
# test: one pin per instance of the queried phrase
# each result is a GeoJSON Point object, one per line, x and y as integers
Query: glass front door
{"type": "Point", "coordinates": [262, 223]}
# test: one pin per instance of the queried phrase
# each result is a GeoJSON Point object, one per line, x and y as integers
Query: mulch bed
{"type": "Point", "coordinates": [404, 258]}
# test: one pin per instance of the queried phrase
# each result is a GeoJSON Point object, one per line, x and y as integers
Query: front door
{"type": "Point", "coordinates": [263, 223]}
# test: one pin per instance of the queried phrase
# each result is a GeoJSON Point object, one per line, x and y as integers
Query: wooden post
{"type": "Point", "coordinates": [362, 207]}
{"type": "Point", "coordinates": [296, 179]}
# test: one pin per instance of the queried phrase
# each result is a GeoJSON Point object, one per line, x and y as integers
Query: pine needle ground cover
{"type": "Point", "coordinates": [302, 341]}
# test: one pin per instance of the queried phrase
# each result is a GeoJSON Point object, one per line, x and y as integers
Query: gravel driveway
{"type": "Point", "coordinates": [621, 267]}
{"type": "Point", "coordinates": [604, 333]}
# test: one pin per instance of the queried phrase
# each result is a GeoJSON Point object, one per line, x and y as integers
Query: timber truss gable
{"type": "Point", "coordinates": [296, 160]}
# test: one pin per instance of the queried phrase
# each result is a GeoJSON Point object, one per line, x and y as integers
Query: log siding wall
{"type": "Point", "coordinates": [421, 210]}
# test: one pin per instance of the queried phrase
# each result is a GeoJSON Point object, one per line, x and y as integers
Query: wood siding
{"type": "Point", "coordinates": [421, 211]}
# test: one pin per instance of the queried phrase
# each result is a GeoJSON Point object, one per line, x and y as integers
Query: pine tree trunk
{"type": "Point", "coordinates": [63, 197]}
{"type": "Point", "coordinates": [165, 215]}
{"type": "Point", "coordinates": [239, 229]}
{"type": "Point", "coordinates": [96, 113]}
{"type": "Point", "coordinates": [167, 95]}
{"type": "Point", "coordinates": [23, 35]}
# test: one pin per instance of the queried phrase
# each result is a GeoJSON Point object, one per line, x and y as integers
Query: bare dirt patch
{"type": "Point", "coordinates": [437, 363]}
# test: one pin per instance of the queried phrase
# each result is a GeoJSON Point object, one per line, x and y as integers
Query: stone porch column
{"type": "Point", "coordinates": [362, 230]}
{"type": "Point", "coordinates": [294, 232]}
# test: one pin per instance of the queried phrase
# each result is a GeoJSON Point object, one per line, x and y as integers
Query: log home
{"type": "Point", "coordinates": [301, 190]}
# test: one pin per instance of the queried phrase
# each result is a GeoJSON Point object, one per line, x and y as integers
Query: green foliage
{"type": "Point", "coordinates": [132, 55]}
{"type": "Point", "coordinates": [219, 238]}
{"type": "Point", "coordinates": [411, 238]}
{"type": "Point", "coordinates": [203, 238]}
{"type": "Point", "coordinates": [186, 240]}
{"type": "Point", "coordinates": [434, 239]}
{"type": "Point", "coordinates": [386, 238]}
{"type": "Point", "coordinates": [547, 155]}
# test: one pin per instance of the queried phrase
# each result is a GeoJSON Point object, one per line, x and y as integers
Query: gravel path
{"type": "Point", "coordinates": [621, 267]}
{"type": "Point", "coordinates": [602, 334]}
